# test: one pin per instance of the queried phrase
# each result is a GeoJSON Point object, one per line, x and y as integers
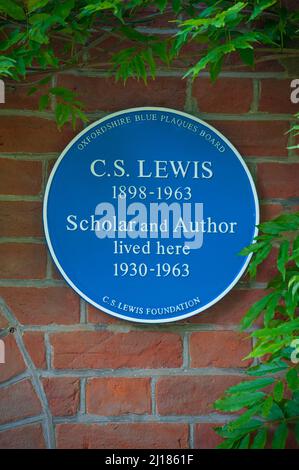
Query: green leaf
{"type": "Point", "coordinates": [247, 56]}
{"type": "Point", "coordinates": [214, 55]}
{"type": "Point", "coordinates": [62, 114]}
{"type": "Point", "coordinates": [292, 379]}
{"type": "Point", "coordinates": [176, 5]}
{"type": "Point", "coordinates": [288, 327]}
{"type": "Point", "coordinates": [259, 257]}
{"type": "Point", "coordinates": [238, 401]}
{"type": "Point", "coordinates": [6, 66]}
{"type": "Point", "coordinates": [250, 385]}
{"type": "Point", "coordinates": [278, 391]}
{"type": "Point", "coordinates": [160, 49]}
{"type": "Point", "coordinates": [12, 9]}
{"type": "Point", "coordinates": [283, 257]}
{"type": "Point", "coordinates": [267, 405]}
{"type": "Point", "coordinates": [114, 5]}
{"type": "Point", "coordinates": [260, 439]}
{"type": "Point", "coordinates": [267, 347]}
{"type": "Point", "coordinates": [236, 433]}
{"type": "Point", "coordinates": [276, 413]}
{"type": "Point", "coordinates": [244, 418]}
{"type": "Point", "coordinates": [271, 308]}
{"type": "Point", "coordinates": [33, 5]}
{"type": "Point", "coordinates": [161, 4]}
{"type": "Point", "coordinates": [43, 102]}
{"type": "Point", "coordinates": [268, 368]}
{"type": "Point", "coordinates": [255, 310]}
{"type": "Point", "coordinates": [280, 437]}
{"type": "Point", "coordinates": [283, 223]}
{"type": "Point", "coordinates": [260, 6]}
{"type": "Point", "coordinates": [11, 40]}
{"type": "Point", "coordinates": [244, 444]}
{"type": "Point", "coordinates": [297, 432]}
{"type": "Point", "coordinates": [215, 69]}
{"type": "Point", "coordinates": [291, 408]}
{"type": "Point", "coordinates": [227, 444]}
{"type": "Point", "coordinates": [63, 9]}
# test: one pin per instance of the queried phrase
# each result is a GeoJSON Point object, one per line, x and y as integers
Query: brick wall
{"type": "Point", "coordinates": [75, 377]}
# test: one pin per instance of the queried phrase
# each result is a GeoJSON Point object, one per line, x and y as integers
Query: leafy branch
{"type": "Point", "coordinates": [270, 402]}
{"type": "Point", "coordinates": [42, 37]}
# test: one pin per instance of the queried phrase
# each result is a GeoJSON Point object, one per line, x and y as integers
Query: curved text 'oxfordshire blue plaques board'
{"type": "Point", "coordinates": [145, 213]}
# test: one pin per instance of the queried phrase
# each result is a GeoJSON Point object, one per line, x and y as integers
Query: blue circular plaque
{"type": "Point", "coordinates": [145, 213]}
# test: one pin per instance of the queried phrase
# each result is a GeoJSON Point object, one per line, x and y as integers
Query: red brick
{"type": "Point", "coordinates": [55, 273]}
{"type": "Point", "coordinates": [291, 442]}
{"type": "Point", "coordinates": [63, 394]}
{"type": "Point", "coordinates": [17, 97]}
{"type": "Point", "coordinates": [292, 4]}
{"type": "Point", "coordinates": [104, 349]}
{"type": "Point", "coordinates": [226, 95]}
{"type": "Point", "coordinates": [32, 134]}
{"type": "Point", "coordinates": [268, 269]}
{"type": "Point", "coordinates": [14, 363]}
{"type": "Point", "coordinates": [18, 401]}
{"type": "Point", "coordinates": [20, 176]}
{"type": "Point", "coordinates": [262, 65]}
{"type": "Point", "coordinates": [205, 437]}
{"type": "Point", "coordinates": [122, 436]}
{"type": "Point", "coordinates": [25, 437]}
{"type": "Point", "coordinates": [270, 211]}
{"type": "Point", "coordinates": [43, 305]}
{"type": "Point", "coordinates": [22, 261]}
{"type": "Point", "coordinates": [229, 310]}
{"type": "Point", "coordinates": [108, 396]}
{"type": "Point", "coordinates": [108, 95]}
{"type": "Point", "coordinates": [233, 62]}
{"type": "Point", "coordinates": [20, 219]}
{"type": "Point", "coordinates": [191, 395]}
{"type": "Point", "coordinates": [276, 97]}
{"type": "Point", "coordinates": [96, 316]}
{"type": "Point", "coordinates": [256, 138]}
{"type": "Point", "coordinates": [219, 349]}
{"type": "Point", "coordinates": [35, 344]}
{"type": "Point", "coordinates": [278, 180]}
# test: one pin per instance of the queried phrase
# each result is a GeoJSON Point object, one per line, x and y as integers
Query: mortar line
{"type": "Point", "coordinates": [153, 396]}
{"type": "Point", "coordinates": [83, 382]}
{"type": "Point", "coordinates": [129, 418]}
{"type": "Point", "coordinates": [14, 380]}
{"type": "Point", "coordinates": [191, 436]}
{"type": "Point", "coordinates": [87, 373]}
{"type": "Point", "coordinates": [35, 379]}
{"type": "Point", "coordinates": [36, 240]}
{"type": "Point", "coordinates": [29, 156]}
{"type": "Point", "coordinates": [180, 72]}
{"type": "Point", "coordinates": [256, 84]}
{"type": "Point", "coordinates": [186, 350]}
{"type": "Point", "coordinates": [83, 312]}
{"type": "Point", "coordinates": [190, 103]}
{"type": "Point", "coordinates": [95, 115]}
{"type": "Point", "coordinates": [21, 422]}
{"type": "Point", "coordinates": [48, 351]}
{"type": "Point", "coordinates": [119, 328]}
{"type": "Point", "coordinates": [22, 198]}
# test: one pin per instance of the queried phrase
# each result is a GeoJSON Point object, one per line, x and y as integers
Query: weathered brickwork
{"type": "Point", "coordinates": [75, 377]}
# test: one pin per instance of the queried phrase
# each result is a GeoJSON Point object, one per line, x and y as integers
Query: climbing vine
{"type": "Point", "coordinates": [40, 38]}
